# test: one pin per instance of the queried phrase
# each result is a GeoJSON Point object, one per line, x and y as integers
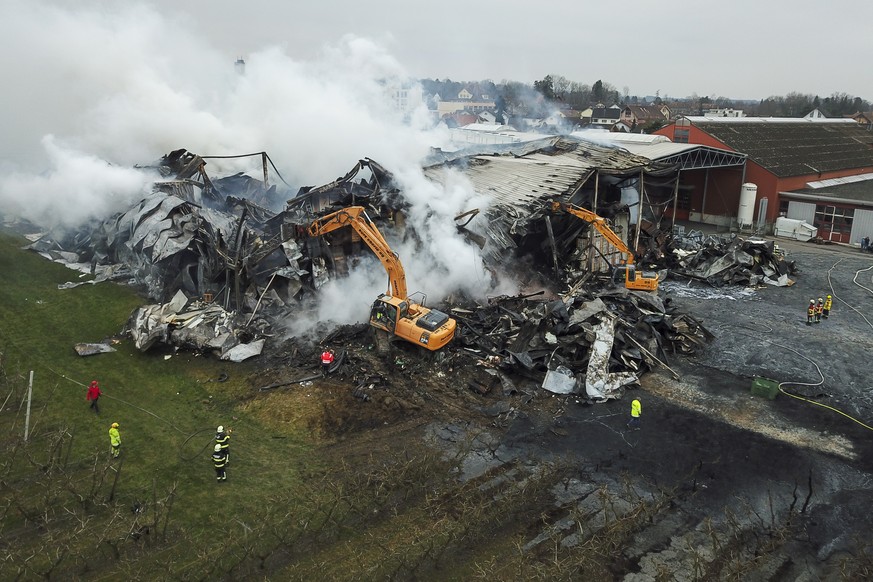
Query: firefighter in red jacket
{"type": "Point", "coordinates": [326, 361]}
{"type": "Point", "coordinates": [93, 395]}
{"type": "Point", "coordinates": [819, 309]}
{"type": "Point", "coordinates": [810, 312]}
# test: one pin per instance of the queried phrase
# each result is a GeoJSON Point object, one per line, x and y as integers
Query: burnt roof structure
{"type": "Point", "coordinates": [521, 180]}
{"type": "Point", "coordinates": [794, 147]}
{"type": "Point", "coordinates": [526, 174]}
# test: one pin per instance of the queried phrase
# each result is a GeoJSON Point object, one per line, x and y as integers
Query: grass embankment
{"type": "Point", "coordinates": [375, 506]}
{"type": "Point", "coordinates": [159, 404]}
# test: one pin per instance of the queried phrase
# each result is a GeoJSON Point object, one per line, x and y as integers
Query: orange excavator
{"type": "Point", "coordinates": [392, 312]}
{"type": "Point", "coordinates": [632, 280]}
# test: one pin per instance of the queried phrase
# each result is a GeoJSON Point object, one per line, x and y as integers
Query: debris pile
{"type": "Point", "coordinates": [195, 236]}
{"type": "Point", "coordinates": [733, 261]}
{"type": "Point", "coordinates": [195, 325]}
{"type": "Point", "coordinates": [584, 343]}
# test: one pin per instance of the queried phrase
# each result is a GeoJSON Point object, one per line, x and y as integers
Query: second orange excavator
{"type": "Point", "coordinates": [638, 281]}
{"type": "Point", "coordinates": [392, 312]}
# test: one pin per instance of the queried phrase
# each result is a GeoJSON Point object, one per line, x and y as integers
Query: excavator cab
{"type": "Point", "coordinates": [628, 275]}
{"type": "Point", "coordinates": [392, 312]}
{"type": "Point", "coordinates": [429, 328]}
{"type": "Point", "coordinates": [383, 315]}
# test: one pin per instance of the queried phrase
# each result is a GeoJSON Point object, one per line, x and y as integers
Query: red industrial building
{"type": "Point", "coordinates": [785, 155]}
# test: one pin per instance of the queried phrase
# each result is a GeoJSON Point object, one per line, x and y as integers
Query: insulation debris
{"type": "Point", "coordinates": [92, 349]}
{"type": "Point", "coordinates": [195, 325]}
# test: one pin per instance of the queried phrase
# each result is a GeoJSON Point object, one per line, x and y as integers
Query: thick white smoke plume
{"type": "Point", "coordinates": [122, 84]}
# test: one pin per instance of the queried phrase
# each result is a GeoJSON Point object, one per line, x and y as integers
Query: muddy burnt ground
{"type": "Point", "coordinates": [768, 489]}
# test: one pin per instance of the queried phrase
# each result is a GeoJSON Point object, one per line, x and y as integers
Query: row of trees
{"type": "Point", "coordinates": [543, 95]}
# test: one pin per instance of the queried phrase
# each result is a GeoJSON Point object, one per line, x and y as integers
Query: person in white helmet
{"type": "Point", "coordinates": [219, 461]}
{"type": "Point", "coordinates": [222, 439]}
{"type": "Point", "coordinates": [819, 309]}
{"type": "Point", "coordinates": [810, 312]}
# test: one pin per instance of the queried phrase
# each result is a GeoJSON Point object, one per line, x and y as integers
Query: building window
{"type": "Point", "coordinates": [681, 135]}
{"type": "Point", "coordinates": [833, 222]}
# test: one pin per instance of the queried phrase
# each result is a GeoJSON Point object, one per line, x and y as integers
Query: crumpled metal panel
{"type": "Point", "coordinates": [600, 384]}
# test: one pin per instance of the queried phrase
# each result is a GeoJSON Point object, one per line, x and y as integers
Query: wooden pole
{"type": "Point", "coordinates": [27, 414]}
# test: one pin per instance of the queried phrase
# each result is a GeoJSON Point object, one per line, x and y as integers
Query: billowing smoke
{"type": "Point", "coordinates": [120, 84]}
{"type": "Point", "coordinates": [78, 188]}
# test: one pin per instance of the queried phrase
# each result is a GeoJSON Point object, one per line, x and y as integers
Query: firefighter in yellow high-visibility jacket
{"type": "Point", "coordinates": [114, 440]}
{"type": "Point", "coordinates": [636, 413]}
{"type": "Point", "coordinates": [826, 310]}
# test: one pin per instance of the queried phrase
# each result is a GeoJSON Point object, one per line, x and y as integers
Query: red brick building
{"type": "Point", "coordinates": [784, 155]}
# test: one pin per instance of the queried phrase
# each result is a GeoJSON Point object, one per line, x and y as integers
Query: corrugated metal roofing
{"type": "Point", "coordinates": [621, 137]}
{"type": "Point", "coordinates": [545, 169]}
{"type": "Point", "coordinates": [794, 147]}
{"type": "Point", "coordinates": [857, 192]}
{"type": "Point", "coordinates": [839, 181]}
{"type": "Point", "coordinates": [656, 151]}
{"type": "Point", "coordinates": [695, 119]}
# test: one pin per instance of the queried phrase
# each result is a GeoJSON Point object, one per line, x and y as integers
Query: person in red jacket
{"type": "Point", "coordinates": [326, 361]}
{"type": "Point", "coordinates": [93, 395]}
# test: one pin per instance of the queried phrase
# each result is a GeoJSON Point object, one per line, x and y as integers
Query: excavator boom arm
{"type": "Point", "coordinates": [356, 217]}
{"type": "Point", "coordinates": [597, 222]}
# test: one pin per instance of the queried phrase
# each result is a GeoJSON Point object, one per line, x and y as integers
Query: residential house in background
{"type": "Point", "coordinates": [864, 119]}
{"type": "Point", "coordinates": [466, 101]}
{"type": "Point", "coordinates": [638, 116]}
{"type": "Point", "coordinates": [605, 117]}
{"type": "Point", "coordinates": [406, 97]}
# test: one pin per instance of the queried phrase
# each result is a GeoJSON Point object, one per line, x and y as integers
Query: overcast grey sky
{"type": "Point", "coordinates": [123, 79]}
{"type": "Point", "coordinates": [747, 49]}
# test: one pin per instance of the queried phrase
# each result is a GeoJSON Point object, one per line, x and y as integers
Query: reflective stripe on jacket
{"type": "Point", "coordinates": [222, 439]}
{"type": "Point", "coordinates": [219, 460]}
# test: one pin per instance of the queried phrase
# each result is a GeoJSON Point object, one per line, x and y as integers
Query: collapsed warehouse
{"type": "Point", "coordinates": [225, 268]}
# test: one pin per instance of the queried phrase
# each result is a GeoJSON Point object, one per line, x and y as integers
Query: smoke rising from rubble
{"type": "Point", "coordinates": [122, 84]}
{"type": "Point", "coordinates": [84, 188]}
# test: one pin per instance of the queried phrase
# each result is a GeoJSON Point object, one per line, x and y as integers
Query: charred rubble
{"type": "Point", "coordinates": [225, 264]}
{"type": "Point", "coordinates": [730, 260]}
{"type": "Point", "coordinates": [593, 342]}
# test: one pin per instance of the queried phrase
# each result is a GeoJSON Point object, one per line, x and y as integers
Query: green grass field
{"type": "Point", "coordinates": [371, 505]}
{"type": "Point", "coordinates": [158, 402]}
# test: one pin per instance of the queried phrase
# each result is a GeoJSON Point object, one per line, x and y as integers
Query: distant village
{"type": "Point", "coordinates": [556, 104]}
{"type": "Point", "coordinates": [748, 163]}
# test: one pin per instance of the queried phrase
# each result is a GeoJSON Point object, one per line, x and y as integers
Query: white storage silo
{"type": "Point", "coordinates": [748, 197]}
